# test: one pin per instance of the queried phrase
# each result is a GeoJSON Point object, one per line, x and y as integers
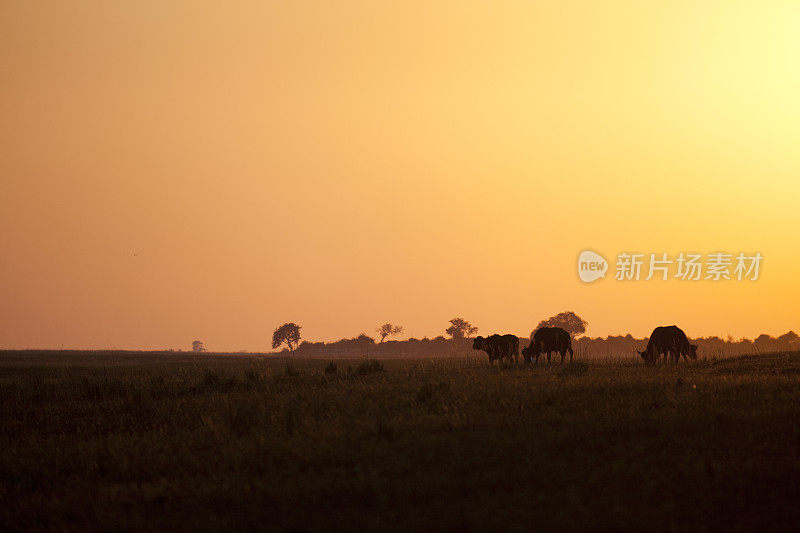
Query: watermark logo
{"type": "Point", "coordinates": [591, 266]}
{"type": "Point", "coordinates": [685, 266]}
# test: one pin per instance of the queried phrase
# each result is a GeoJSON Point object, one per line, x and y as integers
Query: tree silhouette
{"type": "Point", "coordinates": [388, 329]}
{"type": "Point", "coordinates": [460, 328]}
{"type": "Point", "coordinates": [568, 321]}
{"type": "Point", "coordinates": [762, 339]}
{"type": "Point", "coordinates": [289, 334]}
{"type": "Point", "coordinates": [788, 340]}
{"type": "Point", "coordinates": [198, 346]}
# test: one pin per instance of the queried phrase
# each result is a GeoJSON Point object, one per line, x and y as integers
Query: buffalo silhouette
{"type": "Point", "coordinates": [670, 341]}
{"type": "Point", "coordinates": [498, 346]}
{"type": "Point", "coordinates": [546, 340]}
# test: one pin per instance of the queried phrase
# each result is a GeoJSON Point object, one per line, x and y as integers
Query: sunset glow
{"type": "Point", "coordinates": [183, 170]}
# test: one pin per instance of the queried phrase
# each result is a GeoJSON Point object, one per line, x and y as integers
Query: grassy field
{"type": "Point", "coordinates": [177, 441]}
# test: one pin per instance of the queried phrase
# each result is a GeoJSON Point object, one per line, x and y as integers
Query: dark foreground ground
{"type": "Point", "coordinates": [174, 441]}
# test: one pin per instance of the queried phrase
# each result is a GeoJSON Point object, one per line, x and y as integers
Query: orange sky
{"type": "Point", "coordinates": [182, 170]}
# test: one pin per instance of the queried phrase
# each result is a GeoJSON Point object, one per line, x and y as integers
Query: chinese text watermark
{"type": "Point", "coordinates": [684, 266]}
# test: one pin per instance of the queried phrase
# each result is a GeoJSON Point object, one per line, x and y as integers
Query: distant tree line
{"type": "Point", "coordinates": [460, 333]}
{"type": "Point", "coordinates": [459, 342]}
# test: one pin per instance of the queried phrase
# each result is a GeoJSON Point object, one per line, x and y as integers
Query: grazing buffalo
{"type": "Point", "coordinates": [498, 347]}
{"type": "Point", "coordinates": [670, 341]}
{"type": "Point", "coordinates": [546, 340]}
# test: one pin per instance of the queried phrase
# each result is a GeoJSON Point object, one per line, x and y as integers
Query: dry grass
{"type": "Point", "coordinates": [132, 441]}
